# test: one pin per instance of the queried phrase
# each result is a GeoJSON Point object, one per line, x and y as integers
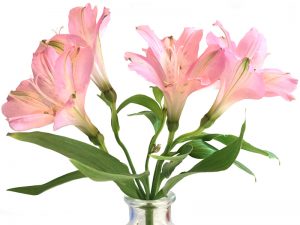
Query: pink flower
{"type": "Point", "coordinates": [174, 66]}
{"type": "Point", "coordinates": [56, 93]}
{"type": "Point", "coordinates": [83, 22]}
{"type": "Point", "coordinates": [243, 77]}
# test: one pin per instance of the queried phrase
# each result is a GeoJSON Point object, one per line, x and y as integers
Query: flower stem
{"type": "Point", "coordinates": [156, 177]}
{"type": "Point", "coordinates": [150, 149]}
{"type": "Point", "coordinates": [115, 126]}
{"type": "Point", "coordinates": [149, 214]}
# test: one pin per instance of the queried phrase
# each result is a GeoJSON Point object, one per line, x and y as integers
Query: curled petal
{"type": "Point", "coordinates": [142, 66]}
{"type": "Point", "coordinates": [223, 41]}
{"type": "Point", "coordinates": [104, 20]}
{"type": "Point", "coordinates": [153, 41]}
{"type": "Point", "coordinates": [278, 83]}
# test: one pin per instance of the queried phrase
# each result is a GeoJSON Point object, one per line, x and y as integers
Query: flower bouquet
{"type": "Point", "coordinates": [63, 67]}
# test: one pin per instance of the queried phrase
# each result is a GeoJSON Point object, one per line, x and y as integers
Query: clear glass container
{"type": "Point", "coordinates": [150, 212]}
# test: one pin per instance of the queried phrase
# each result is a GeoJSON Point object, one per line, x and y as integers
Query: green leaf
{"type": "Point", "coordinates": [145, 101]}
{"type": "Point", "coordinates": [81, 152]}
{"type": "Point", "coordinates": [244, 168]}
{"type": "Point", "coordinates": [183, 152]}
{"type": "Point", "coordinates": [169, 167]}
{"type": "Point", "coordinates": [98, 175]}
{"type": "Point", "coordinates": [202, 149]}
{"type": "Point", "coordinates": [156, 122]}
{"type": "Point", "coordinates": [38, 189]}
{"type": "Point", "coordinates": [227, 139]}
{"type": "Point", "coordinates": [158, 94]}
{"type": "Point", "coordinates": [218, 161]}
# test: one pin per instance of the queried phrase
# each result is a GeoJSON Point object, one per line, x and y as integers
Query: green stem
{"type": "Point", "coordinates": [149, 215]}
{"type": "Point", "coordinates": [188, 136]}
{"type": "Point", "coordinates": [150, 149]}
{"type": "Point", "coordinates": [156, 177]}
{"type": "Point", "coordinates": [115, 126]}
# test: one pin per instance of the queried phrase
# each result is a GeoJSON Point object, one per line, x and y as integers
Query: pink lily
{"type": "Point", "coordinates": [83, 22]}
{"type": "Point", "coordinates": [174, 66]}
{"type": "Point", "coordinates": [56, 93]}
{"type": "Point", "coordinates": [243, 77]}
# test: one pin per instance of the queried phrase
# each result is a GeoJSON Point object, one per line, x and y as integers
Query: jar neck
{"type": "Point", "coordinates": [150, 212]}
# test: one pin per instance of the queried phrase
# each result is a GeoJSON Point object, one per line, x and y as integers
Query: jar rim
{"type": "Point", "coordinates": [165, 201]}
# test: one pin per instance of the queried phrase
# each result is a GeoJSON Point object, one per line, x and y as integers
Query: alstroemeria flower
{"type": "Point", "coordinates": [243, 77]}
{"type": "Point", "coordinates": [174, 66]}
{"type": "Point", "coordinates": [83, 22]}
{"type": "Point", "coordinates": [61, 73]}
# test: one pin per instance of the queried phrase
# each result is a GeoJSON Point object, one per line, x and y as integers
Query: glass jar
{"type": "Point", "coordinates": [150, 212]}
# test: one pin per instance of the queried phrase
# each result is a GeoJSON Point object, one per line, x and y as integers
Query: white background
{"type": "Point", "coordinates": [227, 198]}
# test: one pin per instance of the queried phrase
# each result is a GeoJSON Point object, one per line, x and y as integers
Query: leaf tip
{"type": "Point", "coordinates": [24, 191]}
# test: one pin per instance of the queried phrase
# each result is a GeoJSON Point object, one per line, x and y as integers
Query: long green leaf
{"type": "Point", "coordinates": [98, 175]}
{"type": "Point", "coordinates": [202, 149]}
{"type": "Point", "coordinates": [145, 101]}
{"type": "Point", "coordinates": [218, 161]}
{"type": "Point", "coordinates": [227, 139]}
{"type": "Point", "coordinates": [83, 153]}
{"type": "Point", "coordinates": [38, 189]}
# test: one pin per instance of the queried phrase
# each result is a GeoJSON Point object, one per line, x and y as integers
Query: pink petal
{"type": "Point", "coordinates": [82, 68]}
{"type": "Point", "coordinates": [67, 41]}
{"type": "Point", "coordinates": [188, 43]}
{"type": "Point", "coordinates": [70, 114]}
{"type": "Point", "coordinates": [208, 68]}
{"type": "Point", "coordinates": [27, 122]}
{"type": "Point", "coordinates": [153, 41]}
{"type": "Point", "coordinates": [103, 21]}
{"type": "Point", "coordinates": [142, 66]}
{"type": "Point", "coordinates": [25, 100]}
{"type": "Point", "coordinates": [26, 109]}
{"type": "Point", "coordinates": [72, 71]}
{"type": "Point", "coordinates": [63, 77]}
{"type": "Point", "coordinates": [278, 83]}
{"type": "Point", "coordinates": [82, 22]}
{"type": "Point", "coordinates": [66, 116]}
{"type": "Point", "coordinates": [253, 45]}
{"type": "Point", "coordinates": [240, 81]}
{"type": "Point", "coordinates": [252, 88]}
{"type": "Point", "coordinates": [43, 67]}
{"type": "Point", "coordinates": [223, 41]}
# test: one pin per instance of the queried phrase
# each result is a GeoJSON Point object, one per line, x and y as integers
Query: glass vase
{"type": "Point", "coordinates": [150, 212]}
